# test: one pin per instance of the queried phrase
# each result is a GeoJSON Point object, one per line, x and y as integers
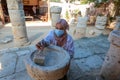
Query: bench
{"type": "Point", "coordinates": [29, 17]}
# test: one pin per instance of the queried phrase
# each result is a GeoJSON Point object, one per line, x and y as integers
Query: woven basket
{"type": "Point", "coordinates": [56, 66]}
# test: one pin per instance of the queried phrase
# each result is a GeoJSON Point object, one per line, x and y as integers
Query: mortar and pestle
{"type": "Point", "coordinates": [52, 63]}
{"type": "Point", "coordinates": [39, 58]}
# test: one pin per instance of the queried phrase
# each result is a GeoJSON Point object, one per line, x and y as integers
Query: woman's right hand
{"type": "Point", "coordinates": [39, 47]}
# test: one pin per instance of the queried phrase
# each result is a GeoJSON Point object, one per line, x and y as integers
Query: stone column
{"type": "Point", "coordinates": [16, 13]}
{"type": "Point", "coordinates": [80, 30]}
{"type": "Point", "coordinates": [111, 66]}
{"type": "Point", "coordinates": [55, 14]}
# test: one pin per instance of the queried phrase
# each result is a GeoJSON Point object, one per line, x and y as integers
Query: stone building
{"type": "Point", "coordinates": [41, 7]}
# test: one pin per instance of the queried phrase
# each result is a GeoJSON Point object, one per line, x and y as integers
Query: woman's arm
{"type": "Point", "coordinates": [46, 41]}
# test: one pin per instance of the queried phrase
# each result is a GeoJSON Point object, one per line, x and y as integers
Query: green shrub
{"type": "Point", "coordinates": [54, 0]}
{"type": "Point", "coordinates": [67, 15]}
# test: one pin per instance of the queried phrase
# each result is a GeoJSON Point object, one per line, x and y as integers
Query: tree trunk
{"type": "Point", "coordinates": [15, 8]}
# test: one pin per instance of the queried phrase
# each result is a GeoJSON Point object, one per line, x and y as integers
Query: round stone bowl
{"type": "Point", "coordinates": [56, 64]}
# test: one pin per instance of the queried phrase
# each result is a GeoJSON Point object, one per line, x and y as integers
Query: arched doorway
{"type": "Point", "coordinates": [36, 8]}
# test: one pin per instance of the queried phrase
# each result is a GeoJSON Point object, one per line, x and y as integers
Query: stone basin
{"type": "Point", "coordinates": [56, 64]}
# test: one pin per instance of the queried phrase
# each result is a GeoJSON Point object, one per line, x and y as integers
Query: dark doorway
{"type": "Point", "coordinates": [5, 12]}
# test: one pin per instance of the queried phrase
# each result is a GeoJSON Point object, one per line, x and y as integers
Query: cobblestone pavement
{"type": "Point", "coordinates": [87, 61]}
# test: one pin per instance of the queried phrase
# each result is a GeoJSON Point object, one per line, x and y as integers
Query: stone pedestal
{"type": "Point", "coordinates": [16, 13]}
{"type": "Point", "coordinates": [55, 14]}
{"type": "Point", "coordinates": [101, 22]}
{"type": "Point", "coordinates": [72, 22]}
{"type": "Point", "coordinates": [80, 30]}
{"type": "Point", "coordinates": [100, 25]}
{"type": "Point", "coordinates": [111, 66]}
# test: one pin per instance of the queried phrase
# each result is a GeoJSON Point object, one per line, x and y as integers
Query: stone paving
{"type": "Point", "coordinates": [87, 61]}
{"type": "Point", "coordinates": [88, 58]}
{"type": "Point", "coordinates": [35, 30]}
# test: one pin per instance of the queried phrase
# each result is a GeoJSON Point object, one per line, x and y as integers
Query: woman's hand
{"type": "Point", "coordinates": [39, 47]}
{"type": "Point", "coordinates": [42, 44]}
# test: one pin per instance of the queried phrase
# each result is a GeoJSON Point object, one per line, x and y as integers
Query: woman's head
{"type": "Point", "coordinates": [62, 24]}
{"type": "Point", "coordinates": [61, 27]}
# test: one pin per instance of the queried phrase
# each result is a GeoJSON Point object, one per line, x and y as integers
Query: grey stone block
{"type": "Point", "coordinates": [81, 64]}
{"type": "Point", "coordinates": [82, 53]}
{"type": "Point", "coordinates": [20, 66]}
{"type": "Point", "coordinates": [7, 64]}
{"type": "Point", "coordinates": [74, 72]}
{"type": "Point", "coordinates": [18, 76]}
{"type": "Point", "coordinates": [4, 51]}
{"type": "Point", "coordinates": [94, 62]}
{"type": "Point", "coordinates": [13, 49]}
{"type": "Point", "coordinates": [22, 76]}
{"type": "Point", "coordinates": [32, 48]}
{"type": "Point", "coordinates": [22, 52]}
{"type": "Point", "coordinates": [10, 77]}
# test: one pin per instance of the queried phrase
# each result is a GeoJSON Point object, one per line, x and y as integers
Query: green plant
{"type": "Point", "coordinates": [67, 15]}
{"type": "Point", "coordinates": [76, 11]}
{"type": "Point", "coordinates": [88, 1]}
{"type": "Point", "coordinates": [54, 0]}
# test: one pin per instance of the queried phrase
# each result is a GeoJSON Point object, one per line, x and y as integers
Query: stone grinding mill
{"type": "Point", "coordinates": [56, 64]}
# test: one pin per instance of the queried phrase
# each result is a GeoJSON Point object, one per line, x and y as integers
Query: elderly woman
{"type": "Point", "coordinates": [59, 37]}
